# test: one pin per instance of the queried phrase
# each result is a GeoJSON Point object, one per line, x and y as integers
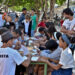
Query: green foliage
{"type": "Point", "coordinates": [19, 4]}
{"type": "Point", "coordinates": [60, 2]}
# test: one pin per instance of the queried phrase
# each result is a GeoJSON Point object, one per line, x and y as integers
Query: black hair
{"type": "Point", "coordinates": [21, 27]}
{"type": "Point", "coordinates": [46, 34]}
{"type": "Point", "coordinates": [58, 35]}
{"type": "Point", "coordinates": [6, 36]}
{"type": "Point", "coordinates": [24, 9]}
{"type": "Point", "coordinates": [12, 24]}
{"type": "Point", "coordinates": [51, 45]}
{"type": "Point", "coordinates": [33, 9]}
{"type": "Point", "coordinates": [48, 24]}
{"type": "Point", "coordinates": [68, 11]}
{"type": "Point", "coordinates": [17, 31]}
{"type": "Point", "coordinates": [2, 30]}
{"type": "Point", "coordinates": [41, 29]}
{"type": "Point", "coordinates": [51, 30]}
{"type": "Point", "coordinates": [43, 18]}
{"type": "Point", "coordinates": [16, 16]}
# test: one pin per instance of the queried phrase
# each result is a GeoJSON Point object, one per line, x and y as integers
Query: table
{"type": "Point", "coordinates": [41, 63]}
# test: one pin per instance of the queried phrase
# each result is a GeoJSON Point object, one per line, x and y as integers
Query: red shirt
{"type": "Point", "coordinates": [41, 24]}
{"type": "Point", "coordinates": [61, 22]}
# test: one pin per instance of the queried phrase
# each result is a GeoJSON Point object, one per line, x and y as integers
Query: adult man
{"type": "Point", "coordinates": [22, 17]}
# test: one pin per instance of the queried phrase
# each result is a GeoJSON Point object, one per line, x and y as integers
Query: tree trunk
{"type": "Point", "coordinates": [2, 3]}
{"type": "Point", "coordinates": [52, 4]}
{"type": "Point", "coordinates": [46, 7]}
{"type": "Point", "coordinates": [42, 5]}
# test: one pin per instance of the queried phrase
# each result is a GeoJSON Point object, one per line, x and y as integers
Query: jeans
{"type": "Point", "coordinates": [32, 33]}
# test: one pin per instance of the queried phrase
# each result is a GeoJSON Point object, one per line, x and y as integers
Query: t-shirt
{"type": "Point", "coordinates": [34, 24]}
{"type": "Point", "coordinates": [54, 55]}
{"type": "Point", "coordinates": [26, 26]}
{"type": "Point", "coordinates": [1, 21]}
{"type": "Point", "coordinates": [69, 24]}
{"type": "Point", "coordinates": [8, 60]}
{"type": "Point", "coordinates": [42, 24]}
{"type": "Point", "coordinates": [66, 59]}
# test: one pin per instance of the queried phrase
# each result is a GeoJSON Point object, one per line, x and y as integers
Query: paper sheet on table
{"type": "Point", "coordinates": [25, 58]}
{"type": "Point", "coordinates": [34, 53]}
{"type": "Point", "coordinates": [34, 58]}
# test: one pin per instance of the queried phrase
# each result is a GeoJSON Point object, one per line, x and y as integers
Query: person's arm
{"type": "Point", "coordinates": [37, 24]}
{"type": "Point", "coordinates": [55, 67]}
{"type": "Point", "coordinates": [48, 56]}
{"type": "Point", "coordinates": [71, 32]}
{"type": "Point", "coordinates": [27, 62]}
{"type": "Point", "coordinates": [55, 61]}
{"type": "Point", "coordinates": [64, 30]}
{"type": "Point", "coordinates": [18, 59]}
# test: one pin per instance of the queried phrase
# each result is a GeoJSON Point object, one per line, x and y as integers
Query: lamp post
{"type": "Point", "coordinates": [68, 3]}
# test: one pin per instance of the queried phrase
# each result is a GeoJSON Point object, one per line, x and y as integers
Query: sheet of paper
{"type": "Point", "coordinates": [25, 57]}
{"type": "Point", "coordinates": [34, 58]}
{"type": "Point", "coordinates": [34, 53]}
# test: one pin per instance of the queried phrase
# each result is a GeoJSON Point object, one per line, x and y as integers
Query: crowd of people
{"type": "Point", "coordinates": [54, 48]}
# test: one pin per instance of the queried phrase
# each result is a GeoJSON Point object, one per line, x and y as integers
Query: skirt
{"type": "Point", "coordinates": [62, 72]}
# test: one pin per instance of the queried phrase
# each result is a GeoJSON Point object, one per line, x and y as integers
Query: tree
{"type": "Point", "coordinates": [52, 4]}
{"type": "Point", "coordinates": [60, 2]}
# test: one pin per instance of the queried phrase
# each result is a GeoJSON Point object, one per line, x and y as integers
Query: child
{"type": "Point", "coordinates": [53, 51]}
{"type": "Point", "coordinates": [21, 28]}
{"type": "Point", "coordinates": [8, 19]}
{"type": "Point", "coordinates": [42, 23]}
{"type": "Point", "coordinates": [27, 23]}
{"type": "Point", "coordinates": [12, 26]}
{"type": "Point", "coordinates": [17, 34]}
{"type": "Point", "coordinates": [41, 31]}
{"type": "Point", "coordinates": [16, 22]}
{"type": "Point", "coordinates": [10, 57]}
{"type": "Point", "coordinates": [51, 30]}
{"type": "Point", "coordinates": [56, 36]}
{"type": "Point", "coordinates": [66, 62]}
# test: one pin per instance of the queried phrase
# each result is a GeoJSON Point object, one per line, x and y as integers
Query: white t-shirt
{"type": "Point", "coordinates": [26, 26]}
{"type": "Point", "coordinates": [1, 21]}
{"type": "Point", "coordinates": [54, 55]}
{"type": "Point", "coordinates": [8, 60]}
{"type": "Point", "coordinates": [69, 24]}
{"type": "Point", "coordinates": [66, 59]}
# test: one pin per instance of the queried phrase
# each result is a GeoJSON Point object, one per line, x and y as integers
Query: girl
{"type": "Point", "coordinates": [66, 62]}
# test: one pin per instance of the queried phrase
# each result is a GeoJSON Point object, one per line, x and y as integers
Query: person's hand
{"type": "Point", "coordinates": [29, 55]}
{"type": "Point", "coordinates": [43, 59]}
{"type": "Point", "coordinates": [18, 45]}
{"type": "Point", "coordinates": [70, 32]}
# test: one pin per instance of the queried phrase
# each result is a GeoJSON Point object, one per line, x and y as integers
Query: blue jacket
{"type": "Point", "coordinates": [22, 17]}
